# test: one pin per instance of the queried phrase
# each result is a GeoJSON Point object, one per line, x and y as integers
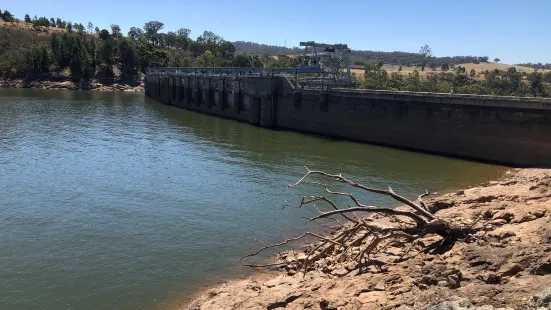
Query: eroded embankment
{"type": "Point", "coordinates": [507, 262]}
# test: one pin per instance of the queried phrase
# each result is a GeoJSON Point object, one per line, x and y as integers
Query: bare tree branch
{"type": "Point", "coordinates": [363, 237]}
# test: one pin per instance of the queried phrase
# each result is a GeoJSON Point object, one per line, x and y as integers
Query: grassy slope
{"type": "Point", "coordinates": [468, 66]}
{"type": "Point", "coordinates": [23, 25]}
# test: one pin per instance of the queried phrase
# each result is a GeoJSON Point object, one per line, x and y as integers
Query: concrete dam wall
{"type": "Point", "coordinates": [513, 131]}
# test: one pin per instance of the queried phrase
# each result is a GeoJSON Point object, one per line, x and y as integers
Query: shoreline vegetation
{"type": "Point", "coordinates": [505, 264]}
{"type": "Point", "coordinates": [52, 47]}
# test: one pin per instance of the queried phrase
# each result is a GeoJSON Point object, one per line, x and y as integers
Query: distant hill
{"type": "Point", "coordinates": [393, 58]}
{"type": "Point", "coordinates": [539, 65]}
{"type": "Point", "coordinates": [261, 49]}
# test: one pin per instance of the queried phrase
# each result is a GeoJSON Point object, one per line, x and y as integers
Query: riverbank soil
{"type": "Point", "coordinates": [131, 85]}
{"type": "Point", "coordinates": [507, 264]}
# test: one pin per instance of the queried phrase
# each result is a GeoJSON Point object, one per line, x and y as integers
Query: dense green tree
{"type": "Point", "coordinates": [90, 27]}
{"type": "Point", "coordinates": [151, 30]}
{"type": "Point", "coordinates": [104, 34]}
{"type": "Point", "coordinates": [135, 33]}
{"type": "Point", "coordinates": [242, 60]}
{"type": "Point", "coordinates": [206, 59]}
{"type": "Point", "coordinates": [496, 60]}
{"type": "Point", "coordinates": [128, 58]}
{"type": "Point", "coordinates": [116, 30]}
{"type": "Point", "coordinates": [96, 30]}
{"type": "Point", "coordinates": [7, 16]}
{"type": "Point", "coordinates": [52, 22]}
{"type": "Point", "coordinates": [426, 53]}
{"type": "Point", "coordinates": [445, 67]}
{"type": "Point", "coordinates": [27, 19]}
{"type": "Point", "coordinates": [69, 27]}
{"type": "Point", "coordinates": [41, 22]}
{"type": "Point", "coordinates": [39, 59]}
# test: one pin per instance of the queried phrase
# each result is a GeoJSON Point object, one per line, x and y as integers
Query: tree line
{"type": "Point", "coordinates": [107, 53]}
{"type": "Point", "coordinates": [456, 79]}
{"type": "Point", "coordinates": [360, 57]}
{"type": "Point", "coordinates": [539, 65]}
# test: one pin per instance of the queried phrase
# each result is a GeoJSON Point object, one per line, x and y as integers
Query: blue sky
{"type": "Point", "coordinates": [515, 31]}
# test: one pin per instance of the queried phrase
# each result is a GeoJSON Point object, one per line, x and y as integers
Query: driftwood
{"type": "Point", "coordinates": [372, 234]}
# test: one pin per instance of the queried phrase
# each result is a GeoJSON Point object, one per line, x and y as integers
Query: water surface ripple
{"type": "Point", "coordinates": [115, 201]}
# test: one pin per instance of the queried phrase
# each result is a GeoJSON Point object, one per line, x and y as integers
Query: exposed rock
{"type": "Point", "coordinates": [441, 204]}
{"type": "Point", "coordinates": [482, 199]}
{"type": "Point", "coordinates": [283, 303]}
{"type": "Point", "coordinates": [498, 222]}
{"type": "Point", "coordinates": [504, 215]}
{"type": "Point", "coordinates": [542, 300]}
{"type": "Point", "coordinates": [509, 269]}
{"type": "Point", "coordinates": [491, 278]}
{"type": "Point", "coordinates": [544, 266]}
{"type": "Point", "coordinates": [83, 84]}
{"type": "Point", "coordinates": [539, 213]}
{"type": "Point", "coordinates": [525, 218]}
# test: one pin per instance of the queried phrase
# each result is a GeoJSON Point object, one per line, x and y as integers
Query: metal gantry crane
{"type": "Point", "coordinates": [333, 59]}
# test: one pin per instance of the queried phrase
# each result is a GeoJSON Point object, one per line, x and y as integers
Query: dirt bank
{"type": "Point", "coordinates": [503, 266]}
{"type": "Point", "coordinates": [83, 84]}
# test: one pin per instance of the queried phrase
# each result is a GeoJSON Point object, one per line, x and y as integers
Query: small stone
{"type": "Point", "coordinates": [442, 283]}
{"type": "Point", "coordinates": [539, 213]}
{"type": "Point", "coordinates": [526, 218]}
{"type": "Point", "coordinates": [340, 272]}
{"type": "Point", "coordinates": [508, 183]}
{"type": "Point", "coordinates": [380, 286]}
{"type": "Point", "coordinates": [504, 215]}
{"type": "Point", "coordinates": [454, 281]}
{"type": "Point", "coordinates": [459, 193]}
{"type": "Point", "coordinates": [498, 222]}
{"type": "Point", "coordinates": [302, 257]}
{"type": "Point", "coordinates": [509, 269]}
{"type": "Point", "coordinates": [533, 187]}
{"type": "Point", "coordinates": [491, 278]}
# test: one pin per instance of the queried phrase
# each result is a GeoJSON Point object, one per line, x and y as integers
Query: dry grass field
{"type": "Point", "coordinates": [23, 25]}
{"type": "Point", "coordinates": [468, 66]}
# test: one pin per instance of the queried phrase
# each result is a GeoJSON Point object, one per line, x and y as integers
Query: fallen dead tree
{"type": "Point", "coordinates": [369, 229]}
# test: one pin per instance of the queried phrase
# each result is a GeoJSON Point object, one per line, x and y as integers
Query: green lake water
{"type": "Point", "coordinates": [115, 201]}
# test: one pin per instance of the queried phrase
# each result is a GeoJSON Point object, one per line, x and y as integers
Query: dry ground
{"type": "Point", "coordinates": [23, 25]}
{"type": "Point", "coordinates": [503, 266]}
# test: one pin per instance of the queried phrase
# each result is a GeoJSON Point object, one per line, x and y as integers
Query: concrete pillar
{"type": "Point", "coordinates": [179, 90]}
{"type": "Point", "coordinates": [170, 80]}
{"type": "Point", "coordinates": [206, 93]}
{"type": "Point", "coordinates": [186, 89]}
{"type": "Point", "coordinates": [236, 95]}
{"type": "Point", "coordinates": [195, 95]}
{"type": "Point", "coordinates": [261, 91]}
{"type": "Point", "coordinates": [221, 94]}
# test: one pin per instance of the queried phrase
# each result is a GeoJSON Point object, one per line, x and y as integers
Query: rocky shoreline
{"type": "Point", "coordinates": [506, 265]}
{"type": "Point", "coordinates": [69, 84]}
